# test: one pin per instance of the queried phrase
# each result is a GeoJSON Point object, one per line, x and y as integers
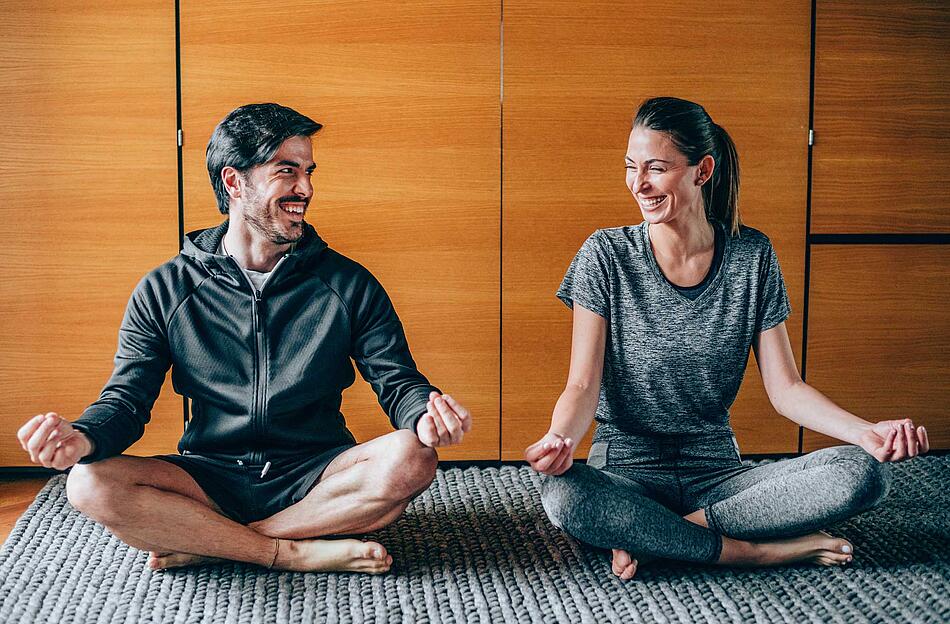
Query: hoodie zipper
{"type": "Point", "coordinates": [260, 358]}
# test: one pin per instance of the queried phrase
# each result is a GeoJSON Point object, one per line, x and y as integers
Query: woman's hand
{"type": "Point", "coordinates": [551, 455]}
{"type": "Point", "coordinates": [894, 440]}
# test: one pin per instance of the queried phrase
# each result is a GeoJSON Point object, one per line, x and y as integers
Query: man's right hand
{"type": "Point", "coordinates": [551, 455]}
{"type": "Point", "coordinates": [53, 442]}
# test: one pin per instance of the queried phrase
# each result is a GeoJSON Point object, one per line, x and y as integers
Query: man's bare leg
{"type": "Point", "coordinates": [818, 547]}
{"type": "Point", "coordinates": [156, 506]}
{"type": "Point", "coordinates": [363, 489]}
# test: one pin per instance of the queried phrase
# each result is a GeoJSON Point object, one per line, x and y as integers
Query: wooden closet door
{"type": "Point", "coordinates": [408, 162]}
{"type": "Point", "coordinates": [88, 192]}
{"type": "Point", "coordinates": [574, 76]}
{"type": "Point", "coordinates": [882, 133]}
{"type": "Point", "coordinates": [878, 339]}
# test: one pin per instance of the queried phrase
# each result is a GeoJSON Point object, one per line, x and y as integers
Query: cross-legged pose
{"type": "Point", "coordinates": [259, 320]}
{"type": "Point", "coordinates": [665, 313]}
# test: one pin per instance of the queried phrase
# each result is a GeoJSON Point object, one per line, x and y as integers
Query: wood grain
{"type": "Point", "coordinates": [882, 133]}
{"type": "Point", "coordinates": [573, 79]}
{"type": "Point", "coordinates": [408, 163]}
{"type": "Point", "coordinates": [88, 193]}
{"type": "Point", "coordinates": [878, 339]}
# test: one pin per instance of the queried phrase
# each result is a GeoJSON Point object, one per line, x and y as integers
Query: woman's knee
{"type": "Point", "coordinates": [867, 478]}
{"type": "Point", "coordinates": [565, 498]}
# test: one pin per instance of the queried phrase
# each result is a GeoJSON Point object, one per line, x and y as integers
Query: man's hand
{"type": "Point", "coordinates": [53, 442]}
{"type": "Point", "coordinates": [551, 455]}
{"type": "Point", "coordinates": [894, 440]}
{"type": "Point", "coordinates": [444, 423]}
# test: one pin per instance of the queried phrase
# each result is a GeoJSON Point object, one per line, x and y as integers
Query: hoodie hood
{"type": "Point", "coordinates": [202, 245]}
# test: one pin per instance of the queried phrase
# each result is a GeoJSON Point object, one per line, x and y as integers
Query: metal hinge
{"type": "Point", "coordinates": [811, 137]}
{"type": "Point", "coordinates": [181, 138]}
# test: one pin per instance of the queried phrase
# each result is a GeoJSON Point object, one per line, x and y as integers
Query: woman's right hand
{"type": "Point", "coordinates": [551, 455]}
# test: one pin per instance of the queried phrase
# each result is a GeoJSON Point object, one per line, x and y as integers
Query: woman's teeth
{"type": "Point", "coordinates": [652, 202]}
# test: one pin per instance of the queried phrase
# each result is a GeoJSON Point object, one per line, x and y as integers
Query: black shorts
{"type": "Point", "coordinates": [244, 495]}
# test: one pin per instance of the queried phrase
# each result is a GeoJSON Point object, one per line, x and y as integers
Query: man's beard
{"type": "Point", "coordinates": [260, 221]}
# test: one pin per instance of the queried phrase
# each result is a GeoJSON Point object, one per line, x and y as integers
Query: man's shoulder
{"type": "Point", "coordinates": [172, 279]}
{"type": "Point", "coordinates": [344, 275]}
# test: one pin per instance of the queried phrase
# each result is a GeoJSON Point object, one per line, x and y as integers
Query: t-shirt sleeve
{"type": "Point", "coordinates": [773, 304]}
{"type": "Point", "coordinates": [587, 279]}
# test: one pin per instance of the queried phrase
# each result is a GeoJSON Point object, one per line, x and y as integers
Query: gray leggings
{"type": "Point", "coordinates": [633, 492]}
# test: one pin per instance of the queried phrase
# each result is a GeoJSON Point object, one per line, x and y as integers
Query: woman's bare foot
{"type": "Point", "coordinates": [314, 555]}
{"type": "Point", "coordinates": [624, 565]}
{"type": "Point", "coordinates": [818, 547]}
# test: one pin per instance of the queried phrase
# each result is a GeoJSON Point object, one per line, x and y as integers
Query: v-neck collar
{"type": "Point", "coordinates": [664, 283]}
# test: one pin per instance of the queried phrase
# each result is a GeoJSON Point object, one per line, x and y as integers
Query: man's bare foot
{"type": "Point", "coordinates": [333, 555]}
{"type": "Point", "coordinates": [624, 565]}
{"type": "Point", "coordinates": [164, 560]}
{"type": "Point", "coordinates": [818, 547]}
{"type": "Point", "coordinates": [313, 555]}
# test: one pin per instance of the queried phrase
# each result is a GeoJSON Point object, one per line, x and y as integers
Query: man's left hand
{"type": "Point", "coordinates": [444, 423]}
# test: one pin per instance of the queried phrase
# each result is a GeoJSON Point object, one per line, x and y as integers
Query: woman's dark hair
{"type": "Point", "coordinates": [249, 136]}
{"type": "Point", "coordinates": [694, 134]}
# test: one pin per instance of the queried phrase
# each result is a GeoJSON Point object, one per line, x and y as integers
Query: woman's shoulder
{"type": "Point", "coordinates": [750, 241]}
{"type": "Point", "coordinates": [618, 239]}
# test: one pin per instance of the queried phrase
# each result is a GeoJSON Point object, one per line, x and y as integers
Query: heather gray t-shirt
{"type": "Point", "coordinates": [673, 365]}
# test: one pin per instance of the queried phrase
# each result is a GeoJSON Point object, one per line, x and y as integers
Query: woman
{"type": "Point", "coordinates": [665, 313]}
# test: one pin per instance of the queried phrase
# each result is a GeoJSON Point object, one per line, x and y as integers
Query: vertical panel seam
{"type": "Point", "coordinates": [808, 191]}
{"type": "Point", "coordinates": [501, 217]}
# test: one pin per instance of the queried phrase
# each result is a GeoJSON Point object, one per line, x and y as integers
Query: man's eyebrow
{"type": "Point", "coordinates": [289, 163]}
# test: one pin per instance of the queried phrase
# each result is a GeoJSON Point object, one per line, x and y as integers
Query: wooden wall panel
{"type": "Point", "coordinates": [882, 133]}
{"type": "Point", "coordinates": [573, 79]}
{"type": "Point", "coordinates": [408, 162]}
{"type": "Point", "coordinates": [879, 334]}
{"type": "Point", "coordinates": [88, 190]}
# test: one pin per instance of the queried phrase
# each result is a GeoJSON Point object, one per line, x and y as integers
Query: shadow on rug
{"type": "Point", "coordinates": [477, 547]}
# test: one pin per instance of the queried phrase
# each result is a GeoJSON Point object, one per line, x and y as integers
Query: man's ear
{"type": "Point", "coordinates": [233, 181]}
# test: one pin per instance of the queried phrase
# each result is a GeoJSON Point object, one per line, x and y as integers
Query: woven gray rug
{"type": "Point", "coordinates": [476, 547]}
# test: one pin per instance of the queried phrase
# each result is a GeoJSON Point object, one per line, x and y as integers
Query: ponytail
{"type": "Point", "coordinates": [721, 196]}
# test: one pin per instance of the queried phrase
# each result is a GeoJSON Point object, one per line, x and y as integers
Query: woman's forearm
{"type": "Point", "coordinates": [574, 412]}
{"type": "Point", "coordinates": [811, 409]}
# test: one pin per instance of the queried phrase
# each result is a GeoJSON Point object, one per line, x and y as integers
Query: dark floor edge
{"type": "Point", "coordinates": [880, 239]}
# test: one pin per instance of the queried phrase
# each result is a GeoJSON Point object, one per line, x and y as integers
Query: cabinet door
{"type": "Point", "coordinates": [573, 79]}
{"type": "Point", "coordinates": [407, 179]}
{"type": "Point", "coordinates": [878, 337]}
{"type": "Point", "coordinates": [88, 192]}
{"type": "Point", "coordinates": [882, 133]}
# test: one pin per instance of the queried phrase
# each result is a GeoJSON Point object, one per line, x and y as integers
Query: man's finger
{"type": "Point", "coordinates": [451, 421]}
{"type": "Point", "coordinates": [426, 431]}
{"type": "Point", "coordinates": [463, 413]}
{"type": "Point", "coordinates": [39, 438]}
{"type": "Point", "coordinates": [440, 429]}
{"type": "Point", "coordinates": [28, 429]}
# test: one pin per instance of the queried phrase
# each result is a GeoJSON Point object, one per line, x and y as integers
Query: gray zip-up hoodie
{"type": "Point", "coordinates": [265, 371]}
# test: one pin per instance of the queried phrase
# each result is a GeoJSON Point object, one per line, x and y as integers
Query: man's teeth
{"type": "Point", "coordinates": [654, 201]}
{"type": "Point", "coordinates": [293, 209]}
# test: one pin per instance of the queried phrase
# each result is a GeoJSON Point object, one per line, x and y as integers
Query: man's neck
{"type": "Point", "coordinates": [252, 251]}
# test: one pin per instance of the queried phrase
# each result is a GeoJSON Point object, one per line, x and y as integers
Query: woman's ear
{"type": "Point", "coordinates": [706, 167]}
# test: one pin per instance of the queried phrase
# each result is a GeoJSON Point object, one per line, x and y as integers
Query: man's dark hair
{"type": "Point", "coordinates": [249, 136]}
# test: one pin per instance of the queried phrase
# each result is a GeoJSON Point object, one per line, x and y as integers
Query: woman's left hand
{"type": "Point", "coordinates": [894, 440]}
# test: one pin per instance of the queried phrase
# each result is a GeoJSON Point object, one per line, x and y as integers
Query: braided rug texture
{"type": "Point", "coordinates": [477, 547]}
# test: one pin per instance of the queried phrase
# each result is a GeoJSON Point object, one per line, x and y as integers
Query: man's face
{"type": "Point", "coordinates": [276, 194]}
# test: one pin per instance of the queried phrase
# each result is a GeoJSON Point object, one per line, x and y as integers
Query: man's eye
{"type": "Point", "coordinates": [656, 169]}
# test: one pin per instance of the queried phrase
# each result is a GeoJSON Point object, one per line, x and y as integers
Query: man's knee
{"type": "Point", "coordinates": [94, 490]}
{"type": "Point", "coordinates": [411, 466]}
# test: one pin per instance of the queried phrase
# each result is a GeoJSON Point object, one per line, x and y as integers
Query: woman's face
{"type": "Point", "coordinates": [660, 179]}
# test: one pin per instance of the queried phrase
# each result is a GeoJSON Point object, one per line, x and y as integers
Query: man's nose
{"type": "Point", "coordinates": [304, 187]}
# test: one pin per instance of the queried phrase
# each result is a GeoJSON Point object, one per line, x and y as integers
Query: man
{"type": "Point", "coordinates": [258, 319]}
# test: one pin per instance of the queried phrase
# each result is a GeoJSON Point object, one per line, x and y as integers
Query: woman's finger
{"type": "Point", "coordinates": [923, 440]}
{"type": "Point", "coordinates": [551, 452]}
{"type": "Point", "coordinates": [911, 435]}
